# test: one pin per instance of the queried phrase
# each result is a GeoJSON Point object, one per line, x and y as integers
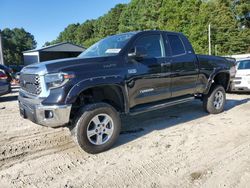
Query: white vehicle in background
{"type": "Point", "coordinates": [241, 82]}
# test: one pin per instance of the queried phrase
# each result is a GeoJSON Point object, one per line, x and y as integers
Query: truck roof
{"type": "Point", "coordinates": [150, 31]}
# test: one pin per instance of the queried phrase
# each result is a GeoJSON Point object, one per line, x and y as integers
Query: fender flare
{"type": "Point", "coordinates": [112, 80]}
{"type": "Point", "coordinates": [213, 75]}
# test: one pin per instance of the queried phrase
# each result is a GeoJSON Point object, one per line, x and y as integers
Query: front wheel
{"type": "Point", "coordinates": [215, 100]}
{"type": "Point", "coordinates": [97, 127]}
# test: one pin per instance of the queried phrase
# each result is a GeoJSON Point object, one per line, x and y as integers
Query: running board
{"type": "Point", "coordinates": [148, 108]}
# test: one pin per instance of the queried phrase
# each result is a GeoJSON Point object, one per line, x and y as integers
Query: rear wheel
{"type": "Point", "coordinates": [97, 127]}
{"type": "Point", "coordinates": [215, 100]}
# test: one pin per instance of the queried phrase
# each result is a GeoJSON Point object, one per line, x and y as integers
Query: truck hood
{"type": "Point", "coordinates": [68, 64]}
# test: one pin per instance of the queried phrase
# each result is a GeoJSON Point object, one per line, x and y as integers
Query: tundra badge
{"type": "Point", "coordinates": [132, 71]}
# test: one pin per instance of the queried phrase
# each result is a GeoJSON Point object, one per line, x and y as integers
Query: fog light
{"type": "Point", "coordinates": [49, 114]}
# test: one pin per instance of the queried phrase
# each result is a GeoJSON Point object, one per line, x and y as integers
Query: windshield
{"type": "Point", "coordinates": [244, 64]}
{"type": "Point", "coordinates": [109, 46]}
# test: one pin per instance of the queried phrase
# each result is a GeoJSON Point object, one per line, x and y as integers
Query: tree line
{"type": "Point", "coordinates": [14, 42]}
{"type": "Point", "coordinates": [229, 19]}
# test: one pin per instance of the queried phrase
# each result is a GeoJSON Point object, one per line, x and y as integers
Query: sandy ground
{"type": "Point", "coordinates": [180, 146]}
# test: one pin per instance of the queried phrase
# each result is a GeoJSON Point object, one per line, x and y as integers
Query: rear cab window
{"type": "Point", "coordinates": [176, 45]}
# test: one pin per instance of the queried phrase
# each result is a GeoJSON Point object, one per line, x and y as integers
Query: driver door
{"type": "Point", "coordinates": [146, 79]}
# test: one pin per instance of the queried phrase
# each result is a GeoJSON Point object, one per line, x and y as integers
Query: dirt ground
{"type": "Point", "coordinates": [180, 146]}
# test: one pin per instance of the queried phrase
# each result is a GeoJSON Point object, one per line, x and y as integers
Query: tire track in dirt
{"type": "Point", "coordinates": [139, 173]}
{"type": "Point", "coordinates": [27, 134]}
{"type": "Point", "coordinates": [31, 144]}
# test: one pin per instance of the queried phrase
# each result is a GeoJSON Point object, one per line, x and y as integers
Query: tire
{"type": "Point", "coordinates": [215, 100]}
{"type": "Point", "coordinates": [90, 131]}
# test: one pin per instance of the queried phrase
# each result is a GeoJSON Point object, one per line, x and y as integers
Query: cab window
{"type": "Point", "coordinates": [176, 45]}
{"type": "Point", "coordinates": [152, 44]}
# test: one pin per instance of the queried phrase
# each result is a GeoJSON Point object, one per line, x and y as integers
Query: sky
{"type": "Point", "coordinates": [45, 19]}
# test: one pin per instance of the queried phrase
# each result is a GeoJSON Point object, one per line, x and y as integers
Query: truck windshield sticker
{"type": "Point", "coordinates": [113, 51]}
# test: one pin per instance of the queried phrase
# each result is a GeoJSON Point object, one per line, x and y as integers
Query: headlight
{"type": "Point", "coordinates": [57, 79]}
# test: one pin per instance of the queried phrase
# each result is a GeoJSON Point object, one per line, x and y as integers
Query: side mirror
{"type": "Point", "coordinates": [139, 53]}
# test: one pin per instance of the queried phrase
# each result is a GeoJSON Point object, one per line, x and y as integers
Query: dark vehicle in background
{"type": "Point", "coordinates": [5, 86]}
{"type": "Point", "coordinates": [128, 73]}
{"type": "Point", "coordinates": [16, 70]}
{"type": "Point", "coordinates": [8, 71]}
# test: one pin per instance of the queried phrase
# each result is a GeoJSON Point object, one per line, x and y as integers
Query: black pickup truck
{"type": "Point", "coordinates": [128, 73]}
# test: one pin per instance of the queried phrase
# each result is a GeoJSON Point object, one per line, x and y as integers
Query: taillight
{"type": "Point", "coordinates": [3, 76]}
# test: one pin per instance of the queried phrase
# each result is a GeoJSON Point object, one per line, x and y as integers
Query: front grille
{"type": "Point", "coordinates": [30, 83]}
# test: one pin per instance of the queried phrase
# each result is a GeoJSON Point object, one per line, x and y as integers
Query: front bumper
{"type": "Point", "coordinates": [51, 115]}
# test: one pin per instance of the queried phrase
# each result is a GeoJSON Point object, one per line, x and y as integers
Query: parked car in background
{"type": "Point", "coordinates": [5, 86]}
{"type": "Point", "coordinates": [16, 70]}
{"type": "Point", "coordinates": [8, 71]}
{"type": "Point", "coordinates": [241, 82]}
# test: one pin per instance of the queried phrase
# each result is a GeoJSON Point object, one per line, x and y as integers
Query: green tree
{"type": "Point", "coordinates": [183, 18]}
{"type": "Point", "coordinates": [16, 41]}
{"type": "Point", "coordinates": [69, 33]}
{"type": "Point", "coordinates": [85, 32]}
{"type": "Point", "coordinates": [109, 23]}
{"type": "Point", "coordinates": [242, 12]}
{"type": "Point", "coordinates": [229, 20]}
{"type": "Point", "coordinates": [140, 15]}
{"type": "Point", "coordinates": [47, 44]}
{"type": "Point", "coordinates": [226, 33]}
{"type": "Point", "coordinates": [90, 31]}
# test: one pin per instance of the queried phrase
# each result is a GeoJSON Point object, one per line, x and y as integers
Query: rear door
{"type": "Point", "coordinates": [184, 67]}
{"type": "Point", "coordinates": [145, 79]}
